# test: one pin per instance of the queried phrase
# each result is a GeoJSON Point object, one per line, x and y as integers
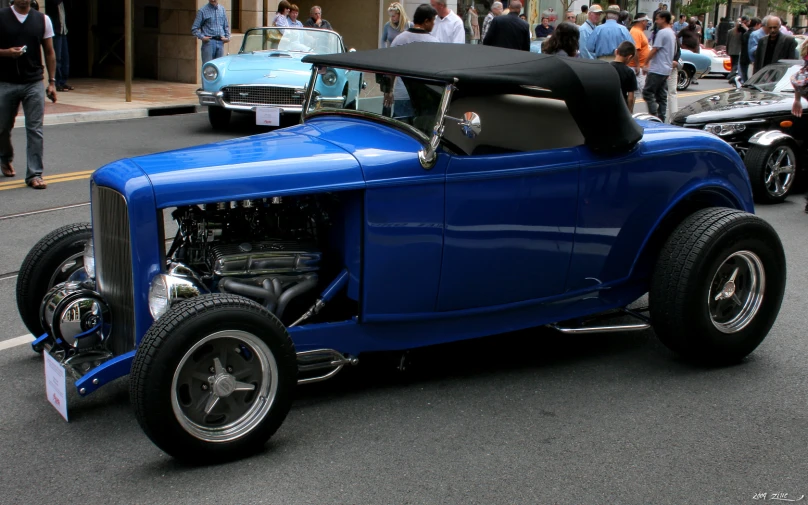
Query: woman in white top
{"type": "Point", "coordinates": [284, 8]}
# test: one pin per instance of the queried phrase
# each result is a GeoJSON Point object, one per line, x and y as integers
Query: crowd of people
{"type": "Point", "coordinates": [645, 51]}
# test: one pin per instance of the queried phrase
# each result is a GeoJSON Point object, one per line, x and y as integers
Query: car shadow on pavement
{"type": "Point", "coordinates": [536, 353]}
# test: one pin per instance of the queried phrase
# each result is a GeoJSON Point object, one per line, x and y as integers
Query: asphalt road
{"type": "Point", "coordinates": [531, 417]}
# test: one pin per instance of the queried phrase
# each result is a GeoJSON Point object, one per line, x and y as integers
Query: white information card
{"type": "Point", "coordinates": [55, 384]}
{"type": "Point", "coordinates": [268, 116]}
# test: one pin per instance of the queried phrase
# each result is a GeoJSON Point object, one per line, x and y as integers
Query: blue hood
{"type": "Point", "coordinates": [326, 154]}
{"type": "Point", "coordinates": [281, 162]}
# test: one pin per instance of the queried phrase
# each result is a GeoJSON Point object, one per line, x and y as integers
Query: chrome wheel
{"type": "Point", "coordinates": [779, 171]}
{"type": "Point", "coordinates": [736, 292]}
{"type": "Point", "coordinates": [683, 81]}
{"type": "Point", "coordinates": [224, 386]}
{"type": "Point", "coordinates": [66, 269]}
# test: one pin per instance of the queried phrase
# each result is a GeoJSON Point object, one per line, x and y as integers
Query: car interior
{"type": "Point", "coordinates": [513, 123]}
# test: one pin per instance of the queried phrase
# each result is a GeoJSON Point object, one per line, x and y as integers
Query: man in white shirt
{"type": "Point", "coordinates": [448, 25]}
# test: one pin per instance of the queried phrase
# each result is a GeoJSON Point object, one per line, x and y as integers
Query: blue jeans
{"type": "Point", "coordinates": [211, 50]}
{"type": "Point", "coordinates": [62, 59]}
{"type": "Point", "coordinates": [32, 96]}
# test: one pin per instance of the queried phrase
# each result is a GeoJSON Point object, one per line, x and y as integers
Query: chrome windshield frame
{"type": "Point", "coordinates": [296, 28]}
{"type": "Point", "coordinates": [426, 156]}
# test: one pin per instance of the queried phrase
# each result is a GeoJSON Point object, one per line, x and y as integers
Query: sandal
{"type": "Point", "coordinates": [37, 183]}
{"type": "Point", "coordinates": [7, 169]}
{"type": "Point", "coordinates": [63, 88]}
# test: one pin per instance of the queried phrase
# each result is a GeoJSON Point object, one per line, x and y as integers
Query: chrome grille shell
{"type": "Point", "coordinates": [263, 95]}
{"type": "Point", "coordinates": [113, 264]}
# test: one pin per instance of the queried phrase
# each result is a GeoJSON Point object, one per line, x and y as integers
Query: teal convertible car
{"type": "Point", "coordinates": [267, 78]}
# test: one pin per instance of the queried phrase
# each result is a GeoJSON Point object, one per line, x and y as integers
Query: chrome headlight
{"type": "Point", "coordinates": [726, 129]}
{"type": "Point", "coordinates": [329, 77]}
{"type": "Point", "coordinates": [89, 259]}
{"type": "Point", "coordinates": [210, 72]}
{"type": "Point", "coordinates": [165, 290]}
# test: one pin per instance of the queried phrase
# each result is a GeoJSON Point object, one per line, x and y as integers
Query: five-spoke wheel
{"type": "Point", "coordinates": [772, 170]}
{"type": "Point", "coordinates": [213, 378]}
{"type": "Point", "coordinates": [718, 285]}
{"type": "Point", "coordinates": [224, 385]}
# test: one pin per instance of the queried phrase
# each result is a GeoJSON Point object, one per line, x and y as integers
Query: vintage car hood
{"type": "Point", "coordinates": [328, 153]}
{"type": "Point", "coordinates": [281, 162]}
{"type": "Point", "coordinates": [739, 104]}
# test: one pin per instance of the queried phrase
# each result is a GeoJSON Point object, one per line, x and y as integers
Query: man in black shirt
{"type": "Point", "coordinates": [544, 30]}
{"type": "Point", "coordinates": [24, 32]}
{"type": "Point", "coordinates": [509, 31]}
{"type": "Point", "coordinates": [776, 46]}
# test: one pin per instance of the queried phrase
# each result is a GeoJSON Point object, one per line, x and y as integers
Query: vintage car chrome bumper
{"type": "Point", "coordinates": [216, 99]}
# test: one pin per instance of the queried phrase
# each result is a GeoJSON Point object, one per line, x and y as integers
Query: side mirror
{"type": "Point", "coordinates": [470, 125]}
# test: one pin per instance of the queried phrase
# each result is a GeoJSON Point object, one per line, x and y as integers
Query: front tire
{"type": "Point", "coordinates": [213, 379]}
{"type": "Point", "coordinates": [772, 170]}
{"type": "Point", "coordinates": [219, 117]}
{"type": "Point", "coordinates": [717, 286]}
{"type": "Point", "coordinates": [51, 261]}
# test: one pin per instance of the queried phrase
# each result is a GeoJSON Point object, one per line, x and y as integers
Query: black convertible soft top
{"type": "Point", "coordinates": [590, 88]}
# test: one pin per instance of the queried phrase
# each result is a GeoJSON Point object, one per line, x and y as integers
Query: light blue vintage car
{"type": "Point", "coordinates": [694, 66]}
{"type": "Point", "coordinates": [268, 79]}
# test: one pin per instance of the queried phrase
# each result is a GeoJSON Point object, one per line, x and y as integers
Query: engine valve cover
{"type": "Point", "coordinates": [266, 257]}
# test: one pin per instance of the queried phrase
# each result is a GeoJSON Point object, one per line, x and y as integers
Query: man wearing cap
{"type": "Point", "coordinates": [586, 30]}
{"type": "Point", "coordinates": [640, 63]}
{"type": "Point", "coordinates": [607, 37]}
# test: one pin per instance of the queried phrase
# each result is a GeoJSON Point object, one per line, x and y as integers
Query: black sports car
{"type": "Point", "coordinates": [756, 120]}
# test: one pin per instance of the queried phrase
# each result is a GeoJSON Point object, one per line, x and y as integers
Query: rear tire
{"type": "Point", "coordinates": [772, 171]}
{"type": "Point", "coordinates": [685, 77]}
{"type": "Point", "coordinates": [717, 286]}
{"type": "Point", "coordinates": [210, 346]}
{"type": "Point", "coordinates": [51, 261]}
{"type": "Point", "coordinates": [219, 117]}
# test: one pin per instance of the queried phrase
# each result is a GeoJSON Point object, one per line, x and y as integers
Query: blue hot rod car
{"type": "Point", "coordinates": [267, 78]}
{"type": "Point", "coordinates": [514, 190]}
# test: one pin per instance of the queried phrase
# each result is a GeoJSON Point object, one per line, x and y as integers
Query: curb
{"type": "Point", "coordinates": [114, 115]}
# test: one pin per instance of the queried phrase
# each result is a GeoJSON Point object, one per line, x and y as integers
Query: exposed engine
{"type": "Point", "coordinates": [267, 250]}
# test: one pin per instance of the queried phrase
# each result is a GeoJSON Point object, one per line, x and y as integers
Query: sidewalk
{"type": "Point", "coordinates": [105, 99]}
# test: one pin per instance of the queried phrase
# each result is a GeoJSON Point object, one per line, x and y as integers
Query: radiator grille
{"type": "Point", "coordinates": [263, 95]}
{"type": "Point", "coordinates": [113, 264]}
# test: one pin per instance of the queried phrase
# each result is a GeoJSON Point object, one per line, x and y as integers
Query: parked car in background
{"type": "Point", "coordinates": [694, 67]}
{"type": "Point", "coordinates": [267, 78]}
{"type": "Point", "coordinates": [720, 63]}
{"type": "Point", "coordinates": [756, 121]}
{"type": "Point", "coordinates": [495, 200]}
